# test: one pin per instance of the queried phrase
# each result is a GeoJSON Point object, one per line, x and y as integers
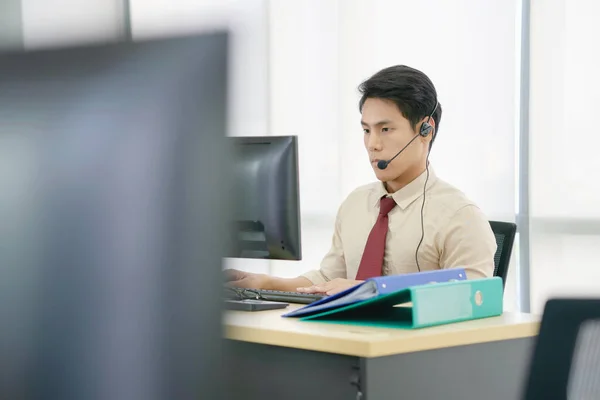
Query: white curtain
{"type": "Point", "coordinates": [564, 191]}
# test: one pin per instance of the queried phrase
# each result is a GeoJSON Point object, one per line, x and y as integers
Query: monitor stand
{"type": "Point", "coordinates": [251, 240]}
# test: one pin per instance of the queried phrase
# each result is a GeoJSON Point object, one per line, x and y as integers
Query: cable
{"type": "Point", "coordinates": [422, 208]}
{"type": "Point", "coordinates": [425, 188]}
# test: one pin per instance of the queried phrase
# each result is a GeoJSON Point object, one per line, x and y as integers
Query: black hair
{"type": "Point", "coordinates": [410, 89]}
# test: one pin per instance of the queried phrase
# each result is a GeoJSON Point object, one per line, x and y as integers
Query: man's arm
{"type": "Point", "coordinates": [251, 280]}
{"type": "Point", "coordinates": [468, 242]}
{"type": "Point", "coordinates": [287, 284]}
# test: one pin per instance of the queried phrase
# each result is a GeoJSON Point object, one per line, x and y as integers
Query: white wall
{"type": "Point", "coordinates": [565, 193]}
{"type": "Point", "coordinates": [63, 22]}
{"type": "Point", "coordinates": [320, 50]}
{"type": "Point", "coordinates": [247, 22]}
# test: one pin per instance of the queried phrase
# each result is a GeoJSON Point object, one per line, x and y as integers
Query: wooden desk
{"type": "Point", "coordinates": [281, 358]}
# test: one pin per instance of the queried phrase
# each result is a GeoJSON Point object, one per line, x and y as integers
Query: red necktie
{"type": "Point", "coordinates": [372, 259]}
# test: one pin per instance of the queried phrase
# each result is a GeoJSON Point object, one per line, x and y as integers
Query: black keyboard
{"type": "Point", "coordinates": [271, 295]}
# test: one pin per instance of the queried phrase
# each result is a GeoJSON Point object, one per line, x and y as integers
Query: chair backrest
{"type": "Point", "coordinates": [505, 237]}
{"type": "Point", "coordinates": [565, 362]}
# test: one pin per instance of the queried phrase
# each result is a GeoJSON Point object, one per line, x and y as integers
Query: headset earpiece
{"type": "Point", "coordinates": [426, 128]}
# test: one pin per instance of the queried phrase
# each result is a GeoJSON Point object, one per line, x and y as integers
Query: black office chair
{"type": "Point", "coordinates": [566, 356]}
{"type": "Point", "coordinates": [505, 237]}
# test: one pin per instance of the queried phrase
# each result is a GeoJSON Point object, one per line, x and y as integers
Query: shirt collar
{"type": "Point", "coordinates": [409, 193]}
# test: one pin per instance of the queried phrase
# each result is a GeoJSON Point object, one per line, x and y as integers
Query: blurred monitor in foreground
{"type": "Point", "coordinates": [113, 220]}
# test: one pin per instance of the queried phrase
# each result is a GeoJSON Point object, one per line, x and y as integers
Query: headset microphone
{"type": "Point", "coordinates": [382, 164]}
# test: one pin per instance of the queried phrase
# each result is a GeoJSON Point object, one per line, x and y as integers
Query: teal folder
{"type": "Point", "coordinates": [422, 306]}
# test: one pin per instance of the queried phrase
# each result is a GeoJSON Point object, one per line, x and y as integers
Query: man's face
{"type": "Point", "coordinates": [386, 132]}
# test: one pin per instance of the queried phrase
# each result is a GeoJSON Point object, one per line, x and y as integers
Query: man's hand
{"type": "Point", "coordinates": [332, 287]}
{"type": "Point", "coordinates": [246, 280]}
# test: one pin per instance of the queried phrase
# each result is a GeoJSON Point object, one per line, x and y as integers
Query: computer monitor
{"type": "Point", "coordinates": [114, 220]}
{"type": "Point", "coordinates": [267, 223]}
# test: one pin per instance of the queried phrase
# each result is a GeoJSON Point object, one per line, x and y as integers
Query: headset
{"type": "Point", "coordinates": [425, 129]}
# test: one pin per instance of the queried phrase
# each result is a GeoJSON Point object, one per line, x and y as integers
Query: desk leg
{"type": "Point", "coordinates": [490, 371]}
{"type": "Point", "coordinates": [260, 372]}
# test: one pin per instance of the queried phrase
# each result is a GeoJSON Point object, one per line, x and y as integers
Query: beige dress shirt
{"type": "Point", "coordinates": [457, 233]}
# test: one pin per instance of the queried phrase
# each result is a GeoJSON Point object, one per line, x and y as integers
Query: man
{"type": "Point", "coordinates": [411, 220]}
